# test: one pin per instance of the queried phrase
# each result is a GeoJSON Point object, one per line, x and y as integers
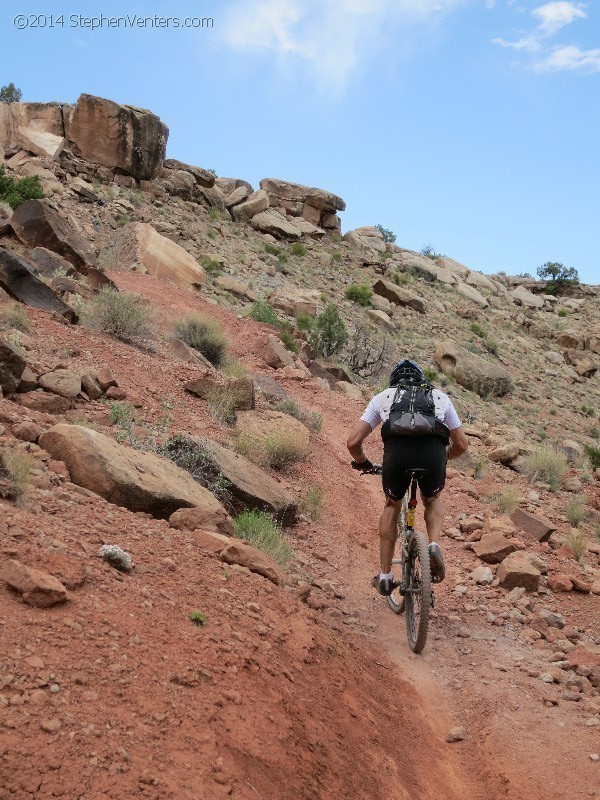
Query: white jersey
{"type": "Point", "coordinates": [378, 410]}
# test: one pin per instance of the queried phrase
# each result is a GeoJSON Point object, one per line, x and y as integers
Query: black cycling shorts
{"type": "Point", "coordinates": [403, 453]}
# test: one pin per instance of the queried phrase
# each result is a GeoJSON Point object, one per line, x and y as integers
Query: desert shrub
{"type": "Point", "coordinates": [337, 257]}
{"type": "Point", "coordinates": [223, 403]}
{"type": "Point", "coordinates": [329, 334]}
{"type": "Point", "coordinates": [298, 249]}
{"type": "Point", "coordinates": [14, 316]}
{"type": "Point", "coordinates": [14, 192]}
{"type": "Point", "coordinates": [481, 467]}
{"type": "Point", "coordinates": [507, 501]}
{"type": "Point", "coordinates": [283, 449]}
{"type": "Point", "coordinates": [430, 252]}
{"type": "Point", "coordinates": [214, 214]}
{"type": "Point", "coordinates": [272, 249]}
{"type": "Point", "coordinates": [194, 458]}
{"type": "Point", "coordinates": [312, 419]}
{"type": "Point", "coordinates": [198, 618]}
{"type": "Point", "coordinates": [261, 531]}
{"type": "Point", "coordinates": [545, 464]}
{"type": "Point", "coordinates": [577, 541]}
{"type": "Point", "coordinates": [124, 315]}
{"type": "Point", "coordinates": [121, 413]}
{"type": "Point", "coordinates": [557, 276]}
{"type": "Point", "coordinates": [10, 94]}
{"type": "Point", "coordinates": [289, 341]}
{"type": "Point", "coordinates": [304, 322]}
{"type": "Point", "coordinates": [588, 410]}
{"type": "Point", "coordinates": [491, 345]}
{"type": "Point", "coordinates": [263, 312]}
{"type": "Point", "coordinates": [203, 335]}
{"type": "Point", "coordinates": [575, 510]}
{"type": "Point", "coordinates": [15, 473]}
{"type": "Point", "coordinates": [478, 329]}
{"type": "Point", "coordinates": [311, 503]}
{"type": "Point", "coordinates": [123, 219]}
{"type": "Point", "coordinates": [211, 265]}
{"type": "Point", "coordinates": [359, 293]}
{"type": "Point", "coordinates": [594, 432]}
{"type": "Point", "coordinates": [431, 374]}
{"type": "Point", "coordinates": [388, 235]}
{"type": "Point", "coordinates": [593, 454]}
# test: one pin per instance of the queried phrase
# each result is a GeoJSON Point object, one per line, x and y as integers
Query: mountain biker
{"type": "Point", "coordinates": [401, 453]}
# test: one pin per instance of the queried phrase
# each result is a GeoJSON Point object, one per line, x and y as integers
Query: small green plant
{"type": "Point", "coordinates": [194, 457]}
{"type": "Point", "coordinates": [214, 214]}
{"type": "Point", "coordinates": [311, 503]}
{"type": "Point", "coordinates": [13, 316]}
{"type": "Point", "coordinates": [14, 192]}
{"type": "Point", "coordinates": [261, 311]}
{"type": "Point", "coordinates": [223, 403]}
{"type": "Point", "coordinates": [430, 374]}
{"type": "Point", "coordinates": [387, 235]}
{"type": "Point", "coordinates": [122, 414]}
{"type": "Point", "coordinates": [304, 322]}
{"type": "Point", "coordinates": [198, 618]}
{"type": "Point", "coordinates": [298, 249]}
{"type": "Point", "coordinates": [211, 265]}
{"type": "Point", "coordinates": [16, 466]}
{"type": "Point", "coordinates": [283, 449]}
{"type": "Point", "coordinates": [261, 531]}
{"type": "Point", "coordinates": [337, 257]}
{"type": "Point", "coordinates": [593, 454]}
{"type": "Point", "coordinates": [588, 410]}
{"type": "Point", "coordinates": [430, 252]}
{"type": "Point", "coordinates": [594, 432]}
{"type": "Point", "coordinates": [289, 342]}
{"type": "Point", "coordinates": [481, 467]}
{"type": "Point", "coordinates": [203, 335]}
{"type": "Point", "coordinates": [329, 334]}
{"type": "Point", "coordinates": [553, 412]}
{"type": "Point", "coordinates": [359, 293]}
{"type": "Point", "coordinates": [123, 219]}
{"type": "Point", "coordinates": [542, 434]}
{"type": "Point", "coordinates": [577, 541]}
{"type": "Point", "coordinates": [563, 312]}
{"type": "Point", "coordinates": [312, 419]}
{"type": "Point", "coordinates": [545, 464]}
{"type": "Point", "coordinates": [491, 345]}
{"type": "Point", "coordinates": [478, 329]}
{"type": "Point", "coordinates": [272, 249]}
{"type": "Point", "coordinates": [575, 510]}
{"type": "Point", "coordinates": [211, 234]}
{"type": "Point", "coordinates": [124, 315]}
{"type": "Point", "coordinates": [508, 500]}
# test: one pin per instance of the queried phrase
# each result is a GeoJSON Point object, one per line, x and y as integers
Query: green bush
{"type": "Point", "coordinates": [481, 467]}
{"type": "Point", "coordinates": [430, 252]}
{"type": "Point", "coordinates": [575, 510]}
{"type": "Point", "coordinates": [359, 293]}
{"type": "Point", "coordinates": [283, 449]}
{"type": "Point", "coordinates": [203, 335]}
{"type": "Point", "coordinates": [263, 312]}
{"type": "Point", "coordinates": [593, 454]}
{"type": "Point", "coordinates": [10, 94]}
{"type": "Point", "coordinates": [223, 403]}
{"type": "Point", "coordinates": [289, 342]}
{"type": "Point", "coordinates": [329, 334]}
{"type": "Point", "coordinates": [272, 249]}
{"type": "Point", "coordinates": [312, 502]}
{"type": "Point", "coordinates": [388, 235]}
{"type": "Point", "coordinates": [14, 316]}
{"type": "Point", "coordinates": [478, 329]}
{"type": "Point", "coordinates": [198, 617]}
{"type": "Point", "coordinates": [195, 458]}
{"type": "Point", "coordinates": [304, 322]}
{"type": "Point", "coordinates": [299, 249]}
{"type": "Point", "coordinates": [557, 275]}
{"type": "Point", "coordinates": [14, 192]}
{"type": "Point", "coordinates": [508, 500]}
{"type": "Point", "coordinates": [337, 257]}
{"type": "Point", "coordinates": [211, 265]}
{"type": "Point", "coordinates": [124, 315]}
{"type": "Point", "coordinates": [261, 531]}
{"type": "Point", "coordinates": [545, 464]}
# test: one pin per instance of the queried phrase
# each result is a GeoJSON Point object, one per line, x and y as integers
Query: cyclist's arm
{"type": "Point", "coordinates": [356, 439]}
{"type": "Point", "coordinates": [459, 443]}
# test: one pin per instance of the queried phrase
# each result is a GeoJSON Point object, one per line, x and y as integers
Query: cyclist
{"type": "Point", "coordinates": [401, 453]}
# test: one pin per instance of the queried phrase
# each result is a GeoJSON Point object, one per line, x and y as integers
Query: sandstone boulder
{"type": "Point", "coordinates": [494, 548]}
{"type": "Point", "coordinates": [480, 281]}
{"type": "Point", "coordinates": [44, 402]}
{"type": "Point", "coordinates": [38, 225]}
{"type": "Point", "coordinates": [250, 486]}
{"type": "Point", "coordinates": [125, 477]}
{"type": "Point", "coordinates": [261, 425]}
{"type": "Point", "coordinates": [275, 354]}
{"type": "Point", "coordinates": [189, 354]}
{"type": "Point", "coordinates": [40, 143]}
{"type": "Point", "coordinates": [472, 371]}
{"type": "Point", "coordinates": [202, 518]}
{"type": "Point", "coordinates": [505, 454]}
{"type": "Point", "coordinates": [569, 339]}
{"type": "Point", "coordinates": [35, 587]}
{"type": "Point", "coordinates": [368, 241]}
{"type": "Point", "coordinates": [253, 205]}
{"type": "Point", "coordinates": [399, 296]}
{"type": "Point", "coordinates": [524, 297]}
{"type": "Point", "coordinates": [210, 381]}
{"type": "Point", "coordinates": [255, 560]}
{"type": "Point", "coordinates": [536, 526]}
{"type": "Point", "coordinates": [292, 196]}
{"type": "Point", "coordinates": [130, 139]}
{"type": "Point", "coordinates": [138, 247]}
{"type": "Point", "coordinates": [517, 571]}
{"type": "Point", "coordinates": [471, 293]}
{"type": "Point", "coordinates": [293, 301]}
{"type": "Point", "coordinates": [380, 318]}
{"type": "Point", "coordinates": [63, 382]}
{"type": "Point", "coordinates": [236, 197]}
{"type": "Point", "coordinates": [12, 365]}
{"type": "Point", "coordinates": [583, 365]}
{"type": "Point", "coordinates": [277, 224]}
{"type": "Point", "coordinates": [18, 280]}
{"type": "Point", "coordinates": [39, 117]}
{"type": "Point", "coordinates": [201, 176]}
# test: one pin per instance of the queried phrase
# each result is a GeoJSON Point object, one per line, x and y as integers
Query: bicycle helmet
{"type": "Point", "coordinates": [406, 372]}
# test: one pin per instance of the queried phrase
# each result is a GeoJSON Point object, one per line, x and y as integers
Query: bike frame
{"type": "Point", "coordinates": [406, 526]}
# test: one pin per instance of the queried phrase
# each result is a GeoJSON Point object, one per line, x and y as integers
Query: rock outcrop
{"type": "Point", "coordinates": [472, 371]}
{"type": "Point", "coordinates": [18, 280]}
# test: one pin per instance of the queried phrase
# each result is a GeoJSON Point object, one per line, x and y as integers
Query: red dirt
{"type": "Point", "coordinates": [270, 699]}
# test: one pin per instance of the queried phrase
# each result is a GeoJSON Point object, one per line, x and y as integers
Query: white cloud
{"type": "Point", "coordinates": [570, 58]}
{"type": "Point", "coordinates": [555, 16]}
{"type": "Point", "coordinates": [529, 43]}
{"type": "Point", "coordinates": [333, 40]}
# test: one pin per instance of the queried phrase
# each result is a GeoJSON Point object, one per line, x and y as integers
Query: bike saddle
{"type": "Point", "coordinates": [417, 473]}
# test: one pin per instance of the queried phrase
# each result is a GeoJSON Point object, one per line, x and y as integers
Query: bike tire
{"type": "Point", "coordinates": [418, 603]}
{"type": "Point", "coordinates": [395, 599]}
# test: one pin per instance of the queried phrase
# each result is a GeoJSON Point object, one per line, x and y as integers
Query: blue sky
{"type": "Point", "coordinates": [468, 125]}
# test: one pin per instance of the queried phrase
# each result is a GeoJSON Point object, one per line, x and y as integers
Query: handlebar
{"type": "Point", "coordinates": [376, 470]}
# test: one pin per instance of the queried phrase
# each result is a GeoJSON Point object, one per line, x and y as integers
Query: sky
{"type": "Point", "coordinates": [470, 126]}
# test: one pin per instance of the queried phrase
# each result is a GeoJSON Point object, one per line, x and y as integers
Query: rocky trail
{"type": "Point", "coordinates": [190, 665]}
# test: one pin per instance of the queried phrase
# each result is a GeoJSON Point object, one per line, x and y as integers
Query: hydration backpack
{"type": "Point", "coordinates": [413, 414]}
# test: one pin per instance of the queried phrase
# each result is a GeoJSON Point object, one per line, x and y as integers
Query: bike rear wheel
{"type": "Point", "coordinates": [418, 592]}
{"type": "Point", "coordinates": [395, 599]}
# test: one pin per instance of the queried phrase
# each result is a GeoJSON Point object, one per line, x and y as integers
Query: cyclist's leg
{"type": "Point", "coordinates": [434, 515]}
{"type": "Point", "coordinates": [388, 531]}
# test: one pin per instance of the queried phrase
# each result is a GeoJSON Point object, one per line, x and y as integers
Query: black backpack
{"type": "Point", "coordinates": [413, 414]}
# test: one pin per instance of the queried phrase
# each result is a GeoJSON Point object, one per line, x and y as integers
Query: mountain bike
{"type": "Point", "coordinates": [413, 594]}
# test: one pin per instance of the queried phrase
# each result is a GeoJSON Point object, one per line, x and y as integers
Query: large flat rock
{"type": "Point", "coordinates": [472, 371]}
{"type": "Point", "coordinates": [123, 476]}
{"type": "Point", "coordinates": [18, 280]}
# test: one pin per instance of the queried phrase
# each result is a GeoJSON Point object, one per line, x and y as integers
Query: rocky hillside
{"type": "Point", "coordinates": [138, 441]}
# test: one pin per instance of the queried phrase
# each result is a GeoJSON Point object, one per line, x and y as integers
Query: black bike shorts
{"type": "Point", "coordinates": [403, 453]}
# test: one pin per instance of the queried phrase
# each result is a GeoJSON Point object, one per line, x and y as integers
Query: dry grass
{"type": "Point", "coordinates": [312, 419]}
{"type": "Point", "coordinates": [279, 450]}
{"type": "Point", "coordinates": [577, 541]}
{"type": "Point", "coordinates": [15, 473]}
{"type": "Point", "coordinates": [312, 503]}
{"type": "Point", "coordinates": [575, 511]}
{"type": "Point", "coordinates": [205, 336]}
{"type": "Point", "coordinates": [547, 465]}
{"type": "Point", "coordinates": [13, 316]}
{"type": "Point", "coordinates": [481, 467]}
{"type": "Point", "coordinates": [261, 531]}
{"type": "Point", "coordinates": [223, 403]}
{"type": "Point", "coordinates": [124, 315]}
{"type": "Point", "coordinates": [507, 501]}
